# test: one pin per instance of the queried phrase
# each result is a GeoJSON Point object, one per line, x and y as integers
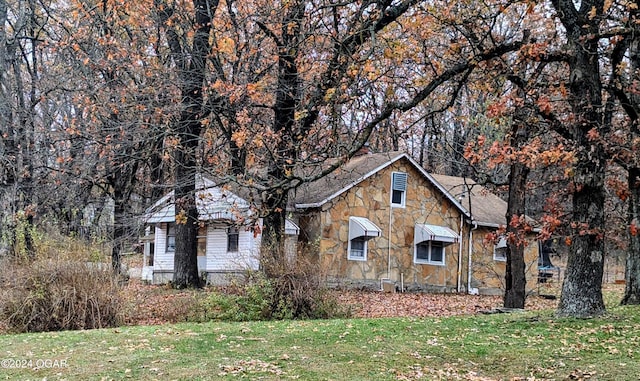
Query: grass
{"type": "Point", "coordinates": [524, 346]}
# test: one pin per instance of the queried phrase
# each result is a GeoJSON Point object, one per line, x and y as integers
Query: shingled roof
{"type": "Point", "coordinates": [317, 193]}
{"type": "Point", "coordinates": [478, 203]}
{"type": "Point", "coordinates": [486, 208]}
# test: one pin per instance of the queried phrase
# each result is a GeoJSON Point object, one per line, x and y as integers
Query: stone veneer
{"type": "Point", "coordinates": [327, 230]}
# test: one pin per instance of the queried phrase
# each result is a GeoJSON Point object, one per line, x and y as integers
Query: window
{"type": "Point", "coordinates": [232, 239]}
{"type": "Point", "coordinates": [171, 237]}
{"type": "Point", "coordinates": [500, 250]}
{"type": "Point", "coordinates": [358, 249]}
{"type": "Point", "coordinates": [430, 252]}
{"type": "Point", "coordinates": [202, 241]}
{"type": "Point", "coordinates": [361, 230]}
{"type": "Point", "coordinates": [152, 249]}
{"type": "Point", "coordinates": [430, 241]}
{"type": "Point", "coordinates": [398, 188]}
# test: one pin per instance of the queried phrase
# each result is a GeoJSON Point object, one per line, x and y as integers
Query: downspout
{"type": "Point", "coordinates": [475, 226]}
{"type": "Point", "coordinates": [459, 281]}
{"type": "Point", "coordinates": [389, 248]}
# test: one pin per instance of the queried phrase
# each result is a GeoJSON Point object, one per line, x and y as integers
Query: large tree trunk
{"type": "Point", "coordinates": [582, 287]}
{"type": "Point", "coordinates": [185, 273]}
{"type": "Point", "coordinates": [515, 275]}
{"type": "Point", "coordinates": [515, 272]}
{"type": "Point", "coordinates": [282, 165]}
{"type": "Point", "coordinates": [192, 69]}
{"type": "Point", "coordinates": [632, 271]}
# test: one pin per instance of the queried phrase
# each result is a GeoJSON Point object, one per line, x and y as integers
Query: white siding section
{"type": "Point", "coordinates": [218, 259]}
{"type": "Point", "coordinates": [216, 247]}
{"type": "Point", "coordinates": [249, 250]}
{"type": "Point", "coordinates": [162, 261]}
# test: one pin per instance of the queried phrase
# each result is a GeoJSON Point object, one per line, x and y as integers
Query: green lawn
{"type": "Point", "coordinates": [524, 346]}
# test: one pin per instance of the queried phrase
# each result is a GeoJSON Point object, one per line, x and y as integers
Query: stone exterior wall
{"type": "Point", "coordinates": [325, 236]}
{"type": "Point", "coordinates": [329, 226]}
{"type": "Point", "coordinates": [488, 273]}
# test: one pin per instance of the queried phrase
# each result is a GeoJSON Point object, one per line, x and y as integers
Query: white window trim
{"type": "Point", "coordinates": [352, 258]}
{"type": "Point", "coordinates": [167, 248]}
{"type": "Point", "coordinates": [403, 202]}
{"type": "Point", "coordinates": [429, 261]}
{"type": "Point", "coordinates": [502, 243]}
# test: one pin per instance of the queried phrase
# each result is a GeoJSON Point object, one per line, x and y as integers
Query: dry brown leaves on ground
{"type": "Point", "coordinates": [151, 305]}
{"type": "Point", "coordinates": [378, 304]}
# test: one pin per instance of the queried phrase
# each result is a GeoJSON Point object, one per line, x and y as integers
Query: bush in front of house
{"type": "Point", "coordinates": [291, 291]}
{"type": "Point", "coordinates": [53, 292]}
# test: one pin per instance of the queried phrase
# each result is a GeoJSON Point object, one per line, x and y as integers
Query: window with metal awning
{"type": "Point", "coordinates": [430, 242]}
{"type": "Point", "coordinates": [291, 228]}
{"type": "Point", "coordinates": [500, 250]}
{"type": "Point", "coordinates": [361, 230]}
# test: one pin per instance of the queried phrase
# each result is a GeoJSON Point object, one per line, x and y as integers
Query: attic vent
{"type": "Point", "coordinates": [399, 181]}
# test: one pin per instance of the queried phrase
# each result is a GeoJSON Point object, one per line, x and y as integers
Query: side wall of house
{"type": "Point", "coordinates": [220, 260]}
{"type": "Point", "coordinates": [390, 256]}
{"type": "Point", "coordinates": [488, 273]}
{"type": "Point", "coordinates": [162, 260]}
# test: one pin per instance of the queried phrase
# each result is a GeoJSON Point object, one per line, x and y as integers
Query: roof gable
{"type": "Point", "coordinates": [213, 203]}
{"type": "Point", "coordinates": [352, 173]}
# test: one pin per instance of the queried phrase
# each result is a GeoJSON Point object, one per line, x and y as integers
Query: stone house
{"type": "Point", "coordinates": [381, 219]}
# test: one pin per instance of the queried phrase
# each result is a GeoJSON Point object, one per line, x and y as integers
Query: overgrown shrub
{"type": "Point", "coordinates": [290, 292]}
{"type": "Point", "coordinates": [58, 292]}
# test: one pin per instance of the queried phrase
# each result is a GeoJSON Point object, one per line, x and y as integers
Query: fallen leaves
{"type": "Point", "coordinates": [250, 367]}
{"type": "Point", "coordinates": [367, 304]}
{"type": "Point", "coordinates": [154, 305]}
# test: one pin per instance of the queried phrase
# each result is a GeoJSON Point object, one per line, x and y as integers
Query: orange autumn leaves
{"type": "Point", "coordinates": [533, 155]}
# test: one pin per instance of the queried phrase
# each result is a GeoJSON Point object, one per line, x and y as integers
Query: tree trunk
{"type": "Point", "coordinates": [185, 273]}
{"type": "Point", "coordinates": [582, 287]}
{"type": "Point", "coordinates": [17, 111]}
{"type": "Point", "coordinates": [282, 165]}
{"type": "Point", "coordinates": [192, 68]}
{"type": "Point", "coordinates": [632, 271]}
{"type": "Point", "coordinates": [118, 235]}
{"type": "Point", "coordinates": [515, 275]}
